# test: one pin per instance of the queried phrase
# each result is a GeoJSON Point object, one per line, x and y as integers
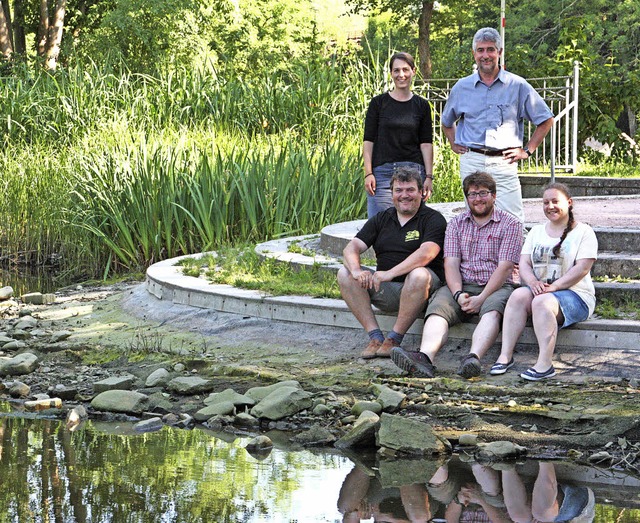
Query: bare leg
{"type": "Point", "coordinates": [353, 491]}
{"type": "Point", "coordinates": [544, 500]}
{"type": "Point", "coordinates": [545, 313]}
{"type": "Point", "coordinates": [485, 333]}
{"type": "Point", "coordinates": [487, 478]}
{"type": "Point", "coordinates": [415, 501]}
{"type": "Point", "coordinates": [515, 496]}
{"type": "Point", "coordinates": [515, 318]}
{"type": "Point", "coordinates": [357, 299]}
{"type": "Point", "coordinates": [434, 335]}
{"type": "Point", "coordinates": [414, 296]}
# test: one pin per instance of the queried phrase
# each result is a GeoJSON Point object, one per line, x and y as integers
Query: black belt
{"type": "Point", "coordinates": [487, 152]}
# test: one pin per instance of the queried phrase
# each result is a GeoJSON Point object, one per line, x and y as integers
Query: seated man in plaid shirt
{"type": "Point", "coordinates": [482, 246]}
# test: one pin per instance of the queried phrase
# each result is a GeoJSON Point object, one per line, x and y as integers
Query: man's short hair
{"type": "Point", "coordinates": [479, 179]}
{"type": "Point", "coordinates": [407, 174]}
{"type": "Point", "coordinates": [487, 34]}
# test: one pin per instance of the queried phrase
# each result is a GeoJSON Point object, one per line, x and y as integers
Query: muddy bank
{"type": "Point", "coordinates": [122, 330]}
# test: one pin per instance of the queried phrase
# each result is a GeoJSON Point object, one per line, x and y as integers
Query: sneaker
{"type": "Point", "coordinates": [501, 368]}
{"type": "Point", "coordinates": [578, 505]}
{"type": "Point", "coordinates": [385, 349]}
{"type": "Point", "coordinates": [371, 349]}
{"type": "Point", "coordinates": [470, 366]}
{"type": "Point", "coordinates": [417, 364]}
{"type": "Point", "coordinates": [533, 375]}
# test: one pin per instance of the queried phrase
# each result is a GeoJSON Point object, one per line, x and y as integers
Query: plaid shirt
{"type": "Point", "coordinates": [481, 248]}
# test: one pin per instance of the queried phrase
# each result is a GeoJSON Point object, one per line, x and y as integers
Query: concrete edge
{"type": "Point", "coordinates": [165, 281]}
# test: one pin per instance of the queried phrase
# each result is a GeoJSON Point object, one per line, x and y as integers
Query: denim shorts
{"type": "Point", "coordinates": [573, 308]}
{"type": "Point", "coordinates": [382, 200]}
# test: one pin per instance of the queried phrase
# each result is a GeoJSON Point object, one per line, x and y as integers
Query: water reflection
{"type": "Point", "coordinates": [105, 472]}
{"type": "Point", "coordinates": [467, 491]}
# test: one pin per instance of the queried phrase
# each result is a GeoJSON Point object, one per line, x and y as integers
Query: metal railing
{"type": "Point", "coordinates": [559, 150]}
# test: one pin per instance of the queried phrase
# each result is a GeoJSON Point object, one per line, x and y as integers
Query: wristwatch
{"type": "Point", "coordinates": [526, 150]}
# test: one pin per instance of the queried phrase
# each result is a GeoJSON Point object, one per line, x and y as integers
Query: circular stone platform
{"type": "Point", "coordinates": [616, 220]}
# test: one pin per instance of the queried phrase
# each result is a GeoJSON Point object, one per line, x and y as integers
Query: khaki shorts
{"type": "Point", "coordinates": [387, 299]}
{"type": "Point", "coordinates": [442, 304]}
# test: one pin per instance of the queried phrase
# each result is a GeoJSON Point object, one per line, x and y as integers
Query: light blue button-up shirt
{"type": "Point", "coordinates": [493, 116]}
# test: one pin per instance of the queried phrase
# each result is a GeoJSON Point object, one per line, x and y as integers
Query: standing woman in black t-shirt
{"type": "Point", "coordinates": [397, 131]}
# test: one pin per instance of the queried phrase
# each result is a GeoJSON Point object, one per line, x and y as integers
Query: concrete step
{"type": "Point", "coordinates": [613, 264]}
{"type": "Point", "coordinates": [165, 281]}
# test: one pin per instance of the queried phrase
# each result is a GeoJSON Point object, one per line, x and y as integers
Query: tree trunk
{"type": "Point", "coordinates": [424, 34]}
{"type": "Point", "coordinates": [43, 29]}
{"type": "Point", "coordinates": [6, 48]}
{"type": "Point", "coordinates": [54, 36]}
{"type": "Point", "coordinates": [19, 38]}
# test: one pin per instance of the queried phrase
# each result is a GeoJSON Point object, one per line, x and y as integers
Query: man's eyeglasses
{"type": "Point", "coordinates": [479, 194]}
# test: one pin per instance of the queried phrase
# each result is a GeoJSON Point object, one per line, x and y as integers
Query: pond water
{"type": "Point", "coordinates": [105, 472]}
{"type": "Point", "coordinates": [32, 279]}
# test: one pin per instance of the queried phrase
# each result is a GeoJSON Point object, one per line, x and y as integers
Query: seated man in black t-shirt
{"type": "Point", "coordinates": [407, 239]}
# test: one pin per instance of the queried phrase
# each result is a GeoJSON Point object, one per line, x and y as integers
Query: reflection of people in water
{"type": "Point", "coordinates": [498, 496]}
{"type": "Point", "coordinates": [459, 494]}
{"type": "Point", "coordinates": [362, 497]}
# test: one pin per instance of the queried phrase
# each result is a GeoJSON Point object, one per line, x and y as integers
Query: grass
{"type": "Point", "coordinates": [627, 309]}
{"type": "Point", "coordinates": [243, 268]}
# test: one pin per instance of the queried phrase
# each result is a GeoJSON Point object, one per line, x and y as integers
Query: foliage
{"type": "Point", "coordinates": [242, 267]}
{"type": "Point", "coordinates": [152, 35]}
{"type": "Point", "coordinates": [605, 38]}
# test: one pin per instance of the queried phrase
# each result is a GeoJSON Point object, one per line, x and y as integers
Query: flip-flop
{"type": "Point", "coordinates": [501, 368]}
{"type": "Point", "coordinates": [533, 375]}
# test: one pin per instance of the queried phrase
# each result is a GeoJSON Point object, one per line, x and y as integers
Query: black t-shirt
{"type": "Point", "coordinates": [398, 128]}
{"type": "Point", "coordinates": [393, 244]}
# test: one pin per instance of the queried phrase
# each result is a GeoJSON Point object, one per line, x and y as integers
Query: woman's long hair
{"type": "Point", "coordinates": [571, 223]}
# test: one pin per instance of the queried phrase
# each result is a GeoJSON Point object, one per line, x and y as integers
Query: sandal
{"type": "Point", "coordinates": [501, 368]}
{"type": "Point", "coordinates": [533, 375]}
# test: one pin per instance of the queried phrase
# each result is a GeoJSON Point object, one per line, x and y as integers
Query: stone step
{"type": "Point", "coordinates": [616, 292]}
{"type": "Point", "coordinates": [166, 281]}
{"type": "Point", "coordinates": [611, 241]}
{"type": "Point", "coordinates": [613, 264]}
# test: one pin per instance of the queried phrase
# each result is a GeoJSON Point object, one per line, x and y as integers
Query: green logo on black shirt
{"type": "Point", "coordinates": [412, 235]}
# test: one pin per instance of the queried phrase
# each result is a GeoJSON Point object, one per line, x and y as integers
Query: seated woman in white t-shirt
{"type": "Point", "coordinates": [557, 290]}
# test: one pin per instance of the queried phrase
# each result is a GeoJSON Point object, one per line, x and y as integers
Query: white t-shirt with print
{"type": "Point", "coordinates": [581, 242]}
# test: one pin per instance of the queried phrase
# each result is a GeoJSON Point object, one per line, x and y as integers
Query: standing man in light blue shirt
{"type": "Point", "coordinates": [483, 120]}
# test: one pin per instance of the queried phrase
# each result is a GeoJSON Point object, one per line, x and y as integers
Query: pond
{"type": "Point", "coordinates": [105, 472]}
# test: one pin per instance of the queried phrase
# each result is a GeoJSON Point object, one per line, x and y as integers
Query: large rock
{"type": "Point", "coordinates": [400, 471]}
{"type": "Point", "coordinates": [37, 298]}
{"type": "Point", "coordinates": [259, 393]}
{"type": "Point", "coordinates": [283, 402]}
{"type": "Point", "coordinates": [114, 383]}
{"type": "Point", "coordinates": [361, 406]}
{"type": "Point", "coordinates": [315, 436]}
{"type": "Point", "coordinates": [26, 323]}
{"type": "Point", "coordinates": [409, 436]}
{"type": "Point", "coordinates": [390, 399]}
{"type": "Point", "coordinates": [121, 401]}
{"type": "Point", "coordinates": [24, 363]}
{"type": "Point", "coordinates": [159, 377]}
{"type": "Point", "coordinates": [239, 400]}
{"type": "Point", "coordinates": [4, 340]}
{"type": "Point", "coordinates": [189, 385]}
{"type": "Point", "coordinates": [59, 336]}
{"type": "Point", "coordinates": [14, 345]}
{"type": "Point", "coordinates": [6, 293]}
{"type": "Point", "coordinates": [363, 433]}
{"type": "Point", "coordinates": [223, 408]}
{"type": "Point", "coordinates": [499, 451]}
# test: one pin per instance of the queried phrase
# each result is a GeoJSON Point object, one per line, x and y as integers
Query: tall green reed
{"type": "Point", "coordinates": [117, 170]}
